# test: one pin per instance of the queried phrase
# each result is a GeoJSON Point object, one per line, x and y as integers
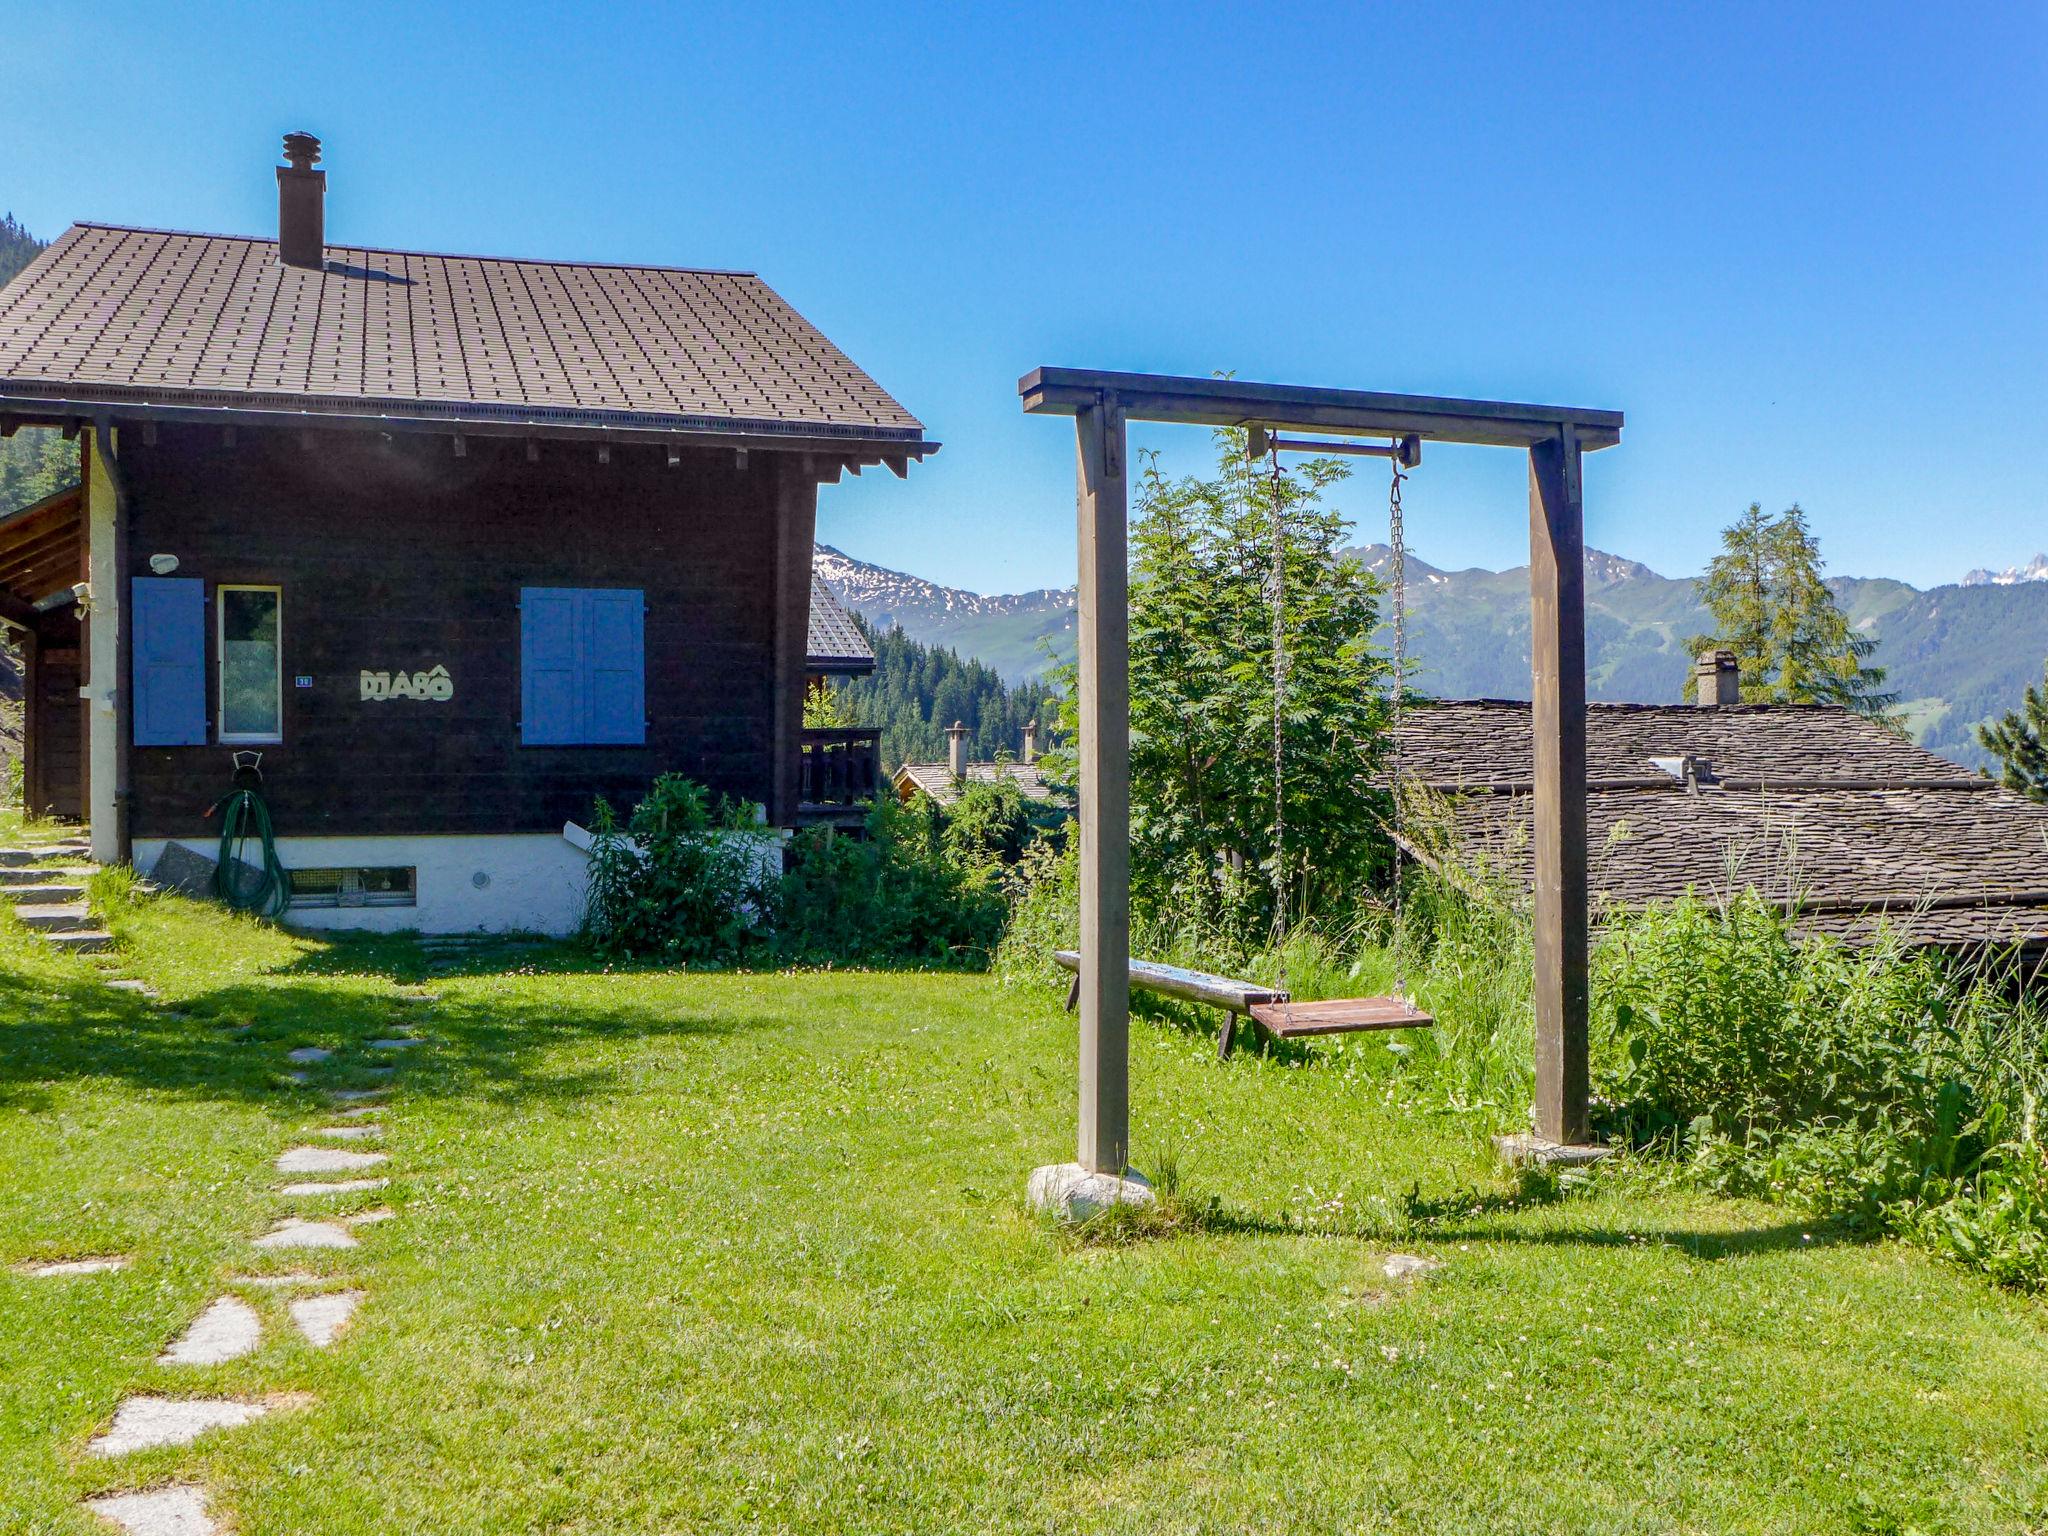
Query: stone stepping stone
{"type": "Point", "coordinates": [333, 1186]}
{"type": "Point", "coordinates": [309, 1053]}
{"type": "Point", "coordinates": [322, 1318]}
{"type": "Point", "coordinates": [379, 1072]}
{"type": "Point", "coordinates": [1409, 1266]}
{"type": "Point", "coordinates": [396, 1043]}
{"type": "Point", "coordinates": [98, 1265]}
{"type": "Point", "coordinates": [350, 1132]}
{"type": "Point", "coordinates": [130, 984]}
{"type": "Point", "coordinates": [174, 1511]}
{"type": "Point", "coordinates": [227, 1330]}
{"type": "Point", "coordinates": [370, 1218]}
{"type": "Point", "coordinates": [290, 1277]}
{"type": "Point", "coordinates": [143, 1423]}
{"type": "Point", "coordinates": [328, 1160]}
{"type": "Point", "coordinates": [81, 941]}
{"type": "Point", "coordinates": [296, 1232]}
{"type": "Point", "coordinates": [354, 1096]}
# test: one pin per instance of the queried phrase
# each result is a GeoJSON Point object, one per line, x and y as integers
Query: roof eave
{"type": "Point", "coordinates": [35, 403]}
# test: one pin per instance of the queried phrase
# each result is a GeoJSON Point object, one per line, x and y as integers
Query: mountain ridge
{"type": "Point", "coordinates": [1957, 653]}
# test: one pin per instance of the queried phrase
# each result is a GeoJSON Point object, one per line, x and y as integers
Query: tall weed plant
{"type": "Point", "coordinates": [1889, 1087]}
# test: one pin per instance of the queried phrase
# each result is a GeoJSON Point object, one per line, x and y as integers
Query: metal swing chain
{"type": "Point", "coordinates": [1279, 720]}
{"type": "Point", "coordinates": [1397, 539]}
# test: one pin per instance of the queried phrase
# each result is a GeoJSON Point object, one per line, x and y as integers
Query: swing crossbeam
{"type": "Point", "coordinates": [1272, 1011]}
{"type": "Point", "coordinates": [1260, 442]}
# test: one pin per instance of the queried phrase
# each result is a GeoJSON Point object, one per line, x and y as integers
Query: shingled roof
{"type": "Point", "coordinates": [113, 316]}
{"type": "Point", "coordinates": [836, 643]}
{"type": "Point", "coordinates": [937, 781]}
{"type": "Point", "coordinates": [1814, 807]}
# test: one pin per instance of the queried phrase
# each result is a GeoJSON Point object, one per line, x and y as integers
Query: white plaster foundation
{"type": "Point", "coordinates": [533, 882]}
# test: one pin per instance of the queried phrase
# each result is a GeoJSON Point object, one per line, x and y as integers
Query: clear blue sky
{"type": "Point", "coordinates": [1804, 247]}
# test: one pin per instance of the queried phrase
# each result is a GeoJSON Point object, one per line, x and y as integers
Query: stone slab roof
{"type": "Point", "coordinates": [1471, 742]}
{"type": "Point", "coordinates": [836, 643]}
{"type": "Point", "coordinates": [1814, 807]}
{"type": "Point", "coordinates": [153, 317]}
{"type": "Point", "coordinates": [937, 781]}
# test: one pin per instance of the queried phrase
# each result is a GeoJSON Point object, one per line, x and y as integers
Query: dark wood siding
{"type": "Point", "coordinates": [53, 735]}
{"type": "Point", "coordinates": [396, 554]}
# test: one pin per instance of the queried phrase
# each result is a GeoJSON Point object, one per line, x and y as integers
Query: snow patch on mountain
{"type": "Point", "coordinates": [2035, 569]}
{"type": "Point", "coordinates": [883, 596]}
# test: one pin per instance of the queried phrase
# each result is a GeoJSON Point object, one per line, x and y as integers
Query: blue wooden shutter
{"type": "Point", "coordinates": [583, 666]}
{"type": "Point", "coordinates": [614, 666]}
{"type": "Point", "coordinates": [550, 703]}
{"type": "Point", "coordinates": [168, 660]}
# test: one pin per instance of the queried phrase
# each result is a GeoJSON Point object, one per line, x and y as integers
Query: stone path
{"type": "Point", "coordinates": [143, 1423]}
{"type": "Point", "coordinates": [328, 1160]}
{"type": "Point", "coordinates": [230, 1328]}
{"type": "Point", "coordinates": [46, 884]}
{"type": "Point", "coordinates": [322, 1318]}
{"type": "Point", "coordinates": [99, 1265]}
{"type": "Point", "coordinates": [176, 1511]}
{"type": "Point", "coordinates": [332, 1186]}
{"type": "Point", "coordinates": [226, 1330]}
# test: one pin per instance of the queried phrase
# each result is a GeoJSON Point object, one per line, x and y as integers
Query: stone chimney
{"type": "Point", "coordinates": [1720, 679]}
{"type": "Point", "coordinates": [1030, 742]}
{"type": "Point", "coordinates": [301, 205]}
{"type": "Point", "coordinates": [956, 749]}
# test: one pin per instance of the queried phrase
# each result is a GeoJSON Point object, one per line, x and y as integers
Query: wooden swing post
{"type": "Point", "coordinates": [1554, 437]}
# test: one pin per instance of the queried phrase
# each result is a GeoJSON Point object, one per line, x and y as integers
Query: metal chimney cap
{"type": "Point", "coordinates": [302, 149]}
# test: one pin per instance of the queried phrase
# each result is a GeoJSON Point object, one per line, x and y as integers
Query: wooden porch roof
{"type": "Point", "coordinates": [41, 548]}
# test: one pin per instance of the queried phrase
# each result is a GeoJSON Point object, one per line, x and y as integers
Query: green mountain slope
{"type": "Point", "coordinates": [1957, 654]}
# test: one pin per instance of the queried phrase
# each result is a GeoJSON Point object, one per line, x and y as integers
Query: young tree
{"type": "Point", "coordinates": [2020, 742]}
{"type": "Point", "coordinates": [1772, 608]}
{"type": "Point", "coordinates": [1201, 626]}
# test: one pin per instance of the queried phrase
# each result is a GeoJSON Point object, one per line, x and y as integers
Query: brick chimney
{"type": "Point", "coordinates": [956, 749]}
{"type": "Point", "coordinates": [1030, 742]}
{"type": "Point", "coordinates": [301, 205]}
{"type": "Point", "coordinates": [1720, 679]}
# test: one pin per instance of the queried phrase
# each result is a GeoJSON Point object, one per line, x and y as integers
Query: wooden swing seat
{"type": "Point", "coordinates": [1271, 1010]}
{"type": "Point", "coordinates": [1337, 1016]}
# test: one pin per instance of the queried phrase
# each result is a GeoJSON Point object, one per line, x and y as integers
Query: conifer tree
{"type": "Point", "coordinates": [1773, 609]}
{"type": "Point", "coordinates": [2020, 742]}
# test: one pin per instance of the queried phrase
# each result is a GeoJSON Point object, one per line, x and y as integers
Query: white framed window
{"type": "Point", "coordinates": [249, 635]}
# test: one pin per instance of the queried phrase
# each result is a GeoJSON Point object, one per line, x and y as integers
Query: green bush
{"type": "Point", "coordinates": [1045, 911]}
{"type": "Point", "coordinates": [1885, 1087]}
{"type": "Point", "coordinates": [896, 895]}
{"type": "Point", "coordinates": [683, 879]}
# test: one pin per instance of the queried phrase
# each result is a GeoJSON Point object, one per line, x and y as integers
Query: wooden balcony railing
{"type": "Point", "coordinates": [842, 767]}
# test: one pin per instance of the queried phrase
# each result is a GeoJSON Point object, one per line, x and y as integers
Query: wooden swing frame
{"type": "Point", "coordinates": [1555, 437]}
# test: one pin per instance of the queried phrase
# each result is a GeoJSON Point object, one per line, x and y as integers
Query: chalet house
{"type": "Point", "coordinates": [455, 543]}
{"type": "Point", "coordinates": [841, 766]}
{"type": "Point", "coordinates": [943, 782]}
{"type": "Point", "coordinates": [1821, 810]}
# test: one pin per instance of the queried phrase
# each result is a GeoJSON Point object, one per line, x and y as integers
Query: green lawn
{"type": "Point", "coordinates": [682, 1253]}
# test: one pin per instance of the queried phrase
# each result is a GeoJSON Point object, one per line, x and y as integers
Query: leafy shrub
{"type": "Point", "coordinates": [1045, 911]}
{"type": "Point", "coordinates": [990, 824]}
{"type": "Point", "coordinates": [683, 879]}
{"type": "Point", "coordinates": [1887, 1088]}
{"type": "Point", "coordinates": [894, 896]}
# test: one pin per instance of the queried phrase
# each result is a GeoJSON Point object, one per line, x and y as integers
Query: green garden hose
{"type": "Point", "coordinates": [243, 816]}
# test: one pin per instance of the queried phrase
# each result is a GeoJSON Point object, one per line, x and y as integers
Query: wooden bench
{"type": "Point", "coordinates": [1272, 1012]}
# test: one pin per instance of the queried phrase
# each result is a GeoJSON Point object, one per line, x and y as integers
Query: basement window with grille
{"type": "Point", "coordinates": [390, 887]}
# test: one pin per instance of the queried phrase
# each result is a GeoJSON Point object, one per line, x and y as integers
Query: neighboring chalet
{"type": "Point", "coordinates": [456, 543]}
{"type": "Point", "coordinates": [841, 767]}
{"type": "Point", "coordinates": [942, 782]}
{"type": "Point", "coordinates": [1816, 808]}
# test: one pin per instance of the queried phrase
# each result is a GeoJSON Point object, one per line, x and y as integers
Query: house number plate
{"type": "Point", "coordinates": [436, 685]}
